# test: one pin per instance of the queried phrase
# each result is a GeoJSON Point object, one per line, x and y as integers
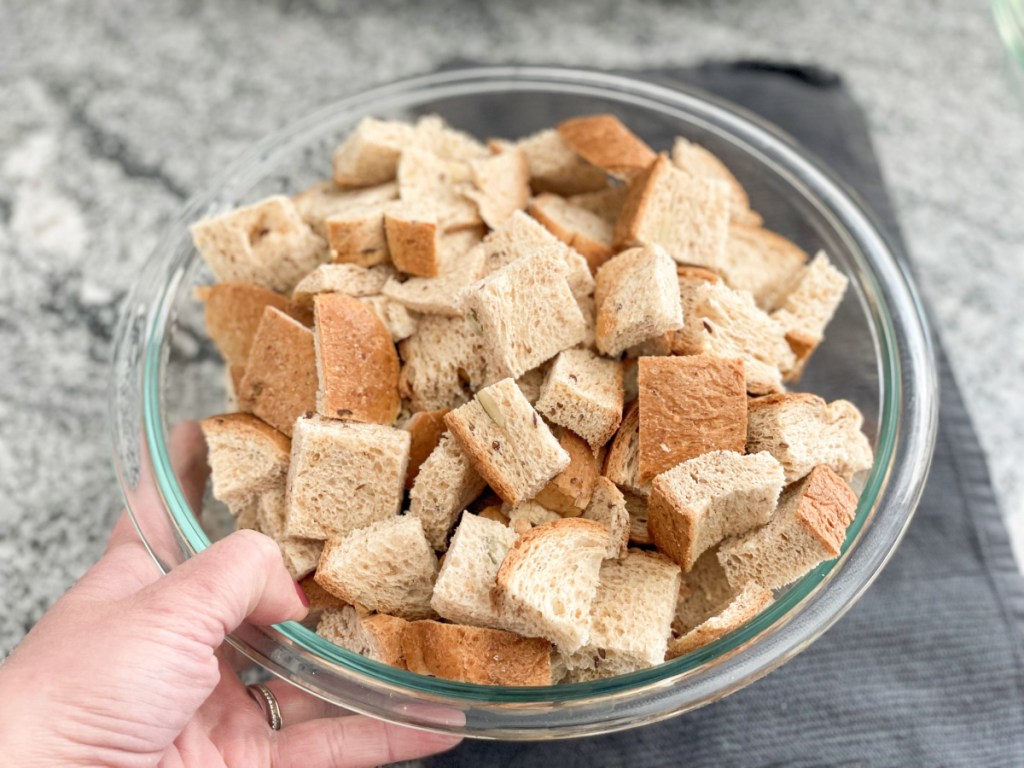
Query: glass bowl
{"type": "Point", "coordinates": [877, 354]}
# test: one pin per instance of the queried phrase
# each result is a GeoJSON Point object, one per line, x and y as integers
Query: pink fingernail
{"type": "Point", "coordinates": [302, 594]}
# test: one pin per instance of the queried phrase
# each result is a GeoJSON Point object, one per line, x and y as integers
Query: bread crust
{"type": "Point", "coordinates": [605, 142]}
{"type": "Point", "coordinates": [425, 429]}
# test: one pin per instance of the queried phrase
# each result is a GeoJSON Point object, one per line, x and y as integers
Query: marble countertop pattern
{"type": "Point", "coordinates": [114, 112]}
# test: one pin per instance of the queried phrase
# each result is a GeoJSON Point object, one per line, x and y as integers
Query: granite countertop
{"type": "Point", "coordinates": [115, 112]}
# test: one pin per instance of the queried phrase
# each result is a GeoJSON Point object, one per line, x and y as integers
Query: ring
{"type": "Point", "coordinates": [265, 696]}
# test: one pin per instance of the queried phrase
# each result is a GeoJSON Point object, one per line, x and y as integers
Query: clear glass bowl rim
{"type": "Point", "coordinates": [907, 428]}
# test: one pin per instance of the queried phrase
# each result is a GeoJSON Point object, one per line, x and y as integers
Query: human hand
{"type": "Point", "coordinates": [129, 669]}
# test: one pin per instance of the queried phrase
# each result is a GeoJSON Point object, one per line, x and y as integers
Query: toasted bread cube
{"type": "Point", "coordinates": [507, 443]}
{"type": "Point", "coordinates": [631, 616]}
{"type": "Point", "coordinates": [807, 529]}
{"type": "Point", "coordinates": [637, 298]}
{"type": "Point", "coordinates": [350, 279]}
{"type": "Point", "coordinates": [460, 263]}
{"type": "Point", "coordinates": [702, 164]}
{"type": "Point", "coordinates": [388, 567]}
{"type": "Point", "coordinates": [566, 553]}
{"type": "Point", "coordinates": [568, 493]}
{"type": "Point", "coordinates": [555, 166]}
{"type": "Point", "coordinates": [266, 244]}
{"type": "Point", "coordinates": [687, 216]}
{"type": "Point", "coordinates": [325, 199]}
{"type": "Point", "coordinates": [703, 500]}
{"type": "Point", "coordinates": [584, 393]}
{"type": "Point", "coordinates": [476, 655]}
{"type": "Point", "coordinates": [232, 312]}
{"type": "Point", "coordinates": [608, 507]}
{"type": "Point", "coordinates": [704, 592]}
{"type": "Point", "coordinates": [501, 185]}
{"type": "Point", "coordinates": [462, 593]}
{"type": "Point", "coordinates": [622, 463]}
{"type": "Point", "coordinates": [527, 314]}
{"type": "Point", "coordinates": [761, 262]}
{"type": "Point", "coordinates": [357, 235]}
{"type": "Point", "coordinates": [424, 177]}
{"type": "Point", "coordinates": [808, 307]}
{"type": "Point", "coordinates": [371, 152]}
{"type": "Point", "coordinates": [575, 226]}
{"type": "Point", "coordinates": [528, 515]}
{"type": "Point", "coordinates": [399, 322]}
{"type": "Point", "coordinates": [343, 476]}
{"type": "Point", "coordinates": [425, 429]}
{"type": "Point", "coordinates": [376, 636]}
{"type": "Point", "coordinates": [280, 380]}
{"type": "Point", "coordinates": [442, 363]}
{"type": "Point", "coordinates": [747, 604]}
{"type": "Point", "coordinates": [689, 406]}
{"type": "Point", "coordinates": [247, 457]}
{"type": "Point", "coordinates": [356, 361]}
{"type": "Point", "coordinates": [802, 430]}
{"type": "Point", "coordinates": [445, 485]}
{"type": "Point", "coordinates": [604, 141]}
{"type": "Point", "coordinates": [412, 236]}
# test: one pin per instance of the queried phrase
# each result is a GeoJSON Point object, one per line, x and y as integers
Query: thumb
{"type": "Point", "coordinates": [239, 577]}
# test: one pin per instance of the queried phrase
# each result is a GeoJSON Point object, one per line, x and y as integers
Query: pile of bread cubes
{"type": "Point", "coordinates": [516, 413]}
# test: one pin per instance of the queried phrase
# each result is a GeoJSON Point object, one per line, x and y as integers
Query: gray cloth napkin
{"type": "Point", "coordinates": [928, 668]}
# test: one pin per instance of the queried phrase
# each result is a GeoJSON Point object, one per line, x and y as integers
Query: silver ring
{"type": "Point", "coordinates": [265, 696]}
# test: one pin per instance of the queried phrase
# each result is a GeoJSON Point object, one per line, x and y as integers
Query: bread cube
{"type": "Point", "coordinates": [445, 485]}
{"type": "Point", "coordinates": [748, 603]}
{"type": "Point", "coordinates": [357, 235]}
{"type": "Point", "coordinates": [325, 199]}
{"type": "Point", "coordinates": [412, 237]}
{"type": "Point", "coordinates": [460, 264]}
{"type": "Point", "coordinates": [424, 177]}
{"type": "Point", "coordinates": [604, 141]}
{"type": "Point", "coordinates": [232, 313]}
{"type": "Point", "coordinates": [528, 515]}
{"type": "Point", "coordinates": [622, 462]}
{"type": "Point", "coordinates": [376, 636]}
{"type": "Point", "coordinates": [247, 457]}
{"type": "Point", "coordinates": [398, 321]}
{"type": "Point", "coordinates": [425, 429]}
{"type": "Point", "coordinates": [577, 227]}
{"type": "Point", "coordinates": [762, 263]}
{"type": "Point", "coordinates": [501, 185]}
{"type": "Point", "coordinates": [442, 363]}
{"type": "Point", "coordinates": [554, 165]}
{"type": "Point", "coordinates": [568, 492]}
{"type": "Point", "coordinates": [700, 163]}
{"type": "Point", "coordinates": [350, 279]}
{"type": "Point", "coordinates": [705, 592]}
{"type": "Point", "coordinates": [371, 152]}
{"type": "Point", "coordinates": [300, 555]}
{"type": "Point", "coordinates": [584, 392]}
{"type": "Point", "coordinates": [608, 507]}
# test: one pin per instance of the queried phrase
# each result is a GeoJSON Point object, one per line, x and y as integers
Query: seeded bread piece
{"type": "Point", "coordinates": [232, 312]}
{"type": "Point", "coordinates": [507, 443]}
{"type": "Point", "coordinates": [687, 216]}
{"type": "Point", "coordinates": [697, 503]}
{"type": "Point", "coordinates": [527, 314]}
{"type": "Point", "coordinates": [584, 392]}
{"type": "Point", "coordinates": [699, 162]}
{"type": "Point", "coordinates": [637, 298]}
{"type": "Point", "coordinates": [566, 553]}
{"type": "Point", "coordinates": [460, 263]}
{"type": "Point", "coordinates": [807, 529]}
{"type": "Point", "coordinates": [575, 226]}
{"type": "Point", "coordinates": [568, 493]}
{"type": "Point", "coordinates": [476, 655]}
{"type": "Point", "coordinates": [604, 141]}
{"type": "Point", "coordinates": [631, 615]}
{"type": "Point", "coordinates": [808, 307]}
{"type": "Point", "coordinates": [555, 166]}
{"type": "Point", "coordinates": [761, 262]}
{"type": "Point", "coordinates": [388, 566]}
{"type": "Point", "coordinates": [689, 406]}
{"type": "Point", "coordinates": [802, 430]}
{"type": "Point", "coordinates": [411, 232]}
{"type": "Point", "coordinates": [608, 507]}
{"type": "Point", "coordinates": [371, 152]}
{"type": "Point", "coordinates": [357, 235]}
{"type": "Point", "coordinates": [442, 363]}
{"type": "Point", "coordinates": [747, 604]}
{"type": "Point", "coordinates": [727, 323]}
{"type": "Point", "coordinates": [639, 530]}
{"type": "Point", "coordinates": [466, 580]}
{"type": "Point", "coordinates": [704, 592]}
{"type": "Point", "coordinates": [326, 199]}
{"type": "Point", "coordinates": [606, 203]}
{"type": "Point", "coordinates": [376, 636]}
{"type": "Point", "coordinates": [424, 177]}
{"type": "Point", "coordinates": [425, 429]}
{"type": "Point", "coordinates": [280, 379]}
{"type": "Point", "coordinates": [622, 463]}
{"type": "Point", "coordinates": [446, 483]}
{"type": "Point", "coordinates": [357, 365]}
{"type": "Point", "coordinates": [343, 476]}
{"type": "Point", "coordinates": [266, 244]}
{"type": "Point", "coordinates": [246, 456]}
{"type": "Point", "coordinates": [350, 279]}
{"type": "Point", "coordinates": [500, 185]}
{"type": "Point", "coordinates": [528, 515]}
{"type": "Point", "coordinates": [399, 322]}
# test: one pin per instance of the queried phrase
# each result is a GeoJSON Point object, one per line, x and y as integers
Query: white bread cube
{"type": "Point", "coordinates": [702, 164]}
{"type": "Point", "coordinates": [424, 177]}
{"type": "Point", "coordinates": [266, 244]}
{"type": "Point", "coordinates": [326, 199]}
{"type": "Point", "coordinates": [412, 236]}
{"type": "Point", "coordinates": [762, 263]}
{"type": "Point", "coordinates": [527, 314]}
{"type": "Point", "coordinates": [371, 152]}
{"type": "Point", "coordinates": [350, 279]}
{"type": "Point", "coordinates": [555, 166]}
{"type": "Point", "coordinates": [460, 263]}
{"type": "Point", "coordinates": [388, 567]}
{"type": "Point", "coordinates": [343, 476]}
{"type": "Point", "coordinates": [357, 235]}
{"type": "Point", "coordinates": [604, 141]}
{"type": "Point", "coordinates": [376, 636]}
{"type": "Point", "coordinates": [608, 507]}
{"type": "Point", "coordinates": [637, 297]}
{"type": "Point", "coordinates": [584, 392]}
{"type": "Point", "coordinates": [744, 606]}
{"type": "Point", "coordinates": [631, 615]}
{"type": "Point", "coordinates": [445, 484]}
{"type": "Point", "coordinates": [247, 457]}
{"type": "Point", "coordinates": [807, 529]}
{"type": "Point", "coordinates": [507, 443]}
{"type": "Point", "coordinates": [442, 363]}
{"type": "Point", "coordinates": [568, 493]}
{"type": "Point", "coordinates": [802, 430]}
{"type": "Point", "coordinates": [567, 553]}
{"type": "Point", "coordinates": [700, 502]}
{"type": "Point", "coordinates": [462, 593]}
{"type": "Point", "coordinates": [577, 227]}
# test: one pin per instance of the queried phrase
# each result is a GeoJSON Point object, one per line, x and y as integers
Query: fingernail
{"type": "Point", "coordinates": [302, 594]}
